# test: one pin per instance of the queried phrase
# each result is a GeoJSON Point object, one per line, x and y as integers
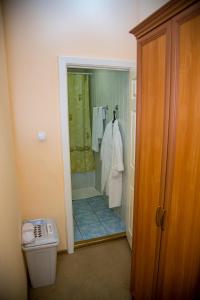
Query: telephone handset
{"type": "Point", "coordinates": [36, 231]}
{"type": "Point", "coordinates": [27, 233]}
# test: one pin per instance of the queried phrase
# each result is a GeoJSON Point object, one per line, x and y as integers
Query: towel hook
{"type": "Point", "coordinates": [114, 113]}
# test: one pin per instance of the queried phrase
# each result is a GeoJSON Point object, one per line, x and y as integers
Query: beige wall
{"type": "Point", "coordinates": [12, 272]}
{"type": "Point", "coordinates": [37, 32]}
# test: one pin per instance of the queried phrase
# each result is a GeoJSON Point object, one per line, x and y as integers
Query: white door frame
{"type": "Point", "coordinates": [65, 62]}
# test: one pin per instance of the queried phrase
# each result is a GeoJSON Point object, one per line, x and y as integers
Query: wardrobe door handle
{"type": "Point", "coordinates": [163, 221]}
{"type": "Point", "coordinates": [160, 217]}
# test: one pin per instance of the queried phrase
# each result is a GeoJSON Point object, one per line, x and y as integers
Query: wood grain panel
{"type": "Point", "coordinates": [152, 119]}
{"type": "Point", "coordinates": [179, 276]}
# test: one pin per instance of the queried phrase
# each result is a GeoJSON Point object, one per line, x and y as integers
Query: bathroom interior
{"type": "Point", "coordinates": [88, 91]}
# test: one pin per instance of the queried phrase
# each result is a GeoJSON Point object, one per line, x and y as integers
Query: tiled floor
{"type": "Point", "coordinates": [93, 218]}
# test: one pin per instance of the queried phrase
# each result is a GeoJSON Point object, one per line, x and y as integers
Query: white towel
{"type": "Point", "coordinates": [97, 127]}
{"type": "Point", "coordinates": [112, 164]}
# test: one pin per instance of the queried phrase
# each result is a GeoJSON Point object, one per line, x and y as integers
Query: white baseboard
{"type": "Point", "coordinates": [84, 193]}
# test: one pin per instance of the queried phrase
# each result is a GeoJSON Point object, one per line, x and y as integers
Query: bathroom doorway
{"type": "Point", "coordinates": [92, 85]}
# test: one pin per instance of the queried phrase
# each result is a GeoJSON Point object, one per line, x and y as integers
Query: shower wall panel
{"type": "Point", "coordinates": [83, 180]}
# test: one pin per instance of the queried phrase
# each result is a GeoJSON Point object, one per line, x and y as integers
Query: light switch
{"type": "Point", "coordinates": [41, 136]}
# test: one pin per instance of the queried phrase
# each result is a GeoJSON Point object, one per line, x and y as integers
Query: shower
{"type": "Point", "coordinates": [93, 94]}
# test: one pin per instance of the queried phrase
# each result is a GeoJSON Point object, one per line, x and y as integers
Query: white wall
{"type": "Point", "coordinates": [147, 7]}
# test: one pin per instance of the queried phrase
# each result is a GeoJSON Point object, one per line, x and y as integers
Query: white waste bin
{"type": "Point", "coordinates": [40, 241]}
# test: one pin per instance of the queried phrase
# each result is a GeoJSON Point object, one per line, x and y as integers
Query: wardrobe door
{"type": "Point", "coordinates": [179, 275]}
{"type": "Point", "coordinates": [151, 146]}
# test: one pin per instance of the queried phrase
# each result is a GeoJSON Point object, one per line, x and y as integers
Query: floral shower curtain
{"type": "Point", "coordinates": [82, 158]}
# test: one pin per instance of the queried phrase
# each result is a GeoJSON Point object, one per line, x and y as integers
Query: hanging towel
{"type": "Point", "coordinates": [106, 155]}
{"type": "Point", "coordinates": [112, 164]}
{"type": "Point", "coordinates": [97, 127]}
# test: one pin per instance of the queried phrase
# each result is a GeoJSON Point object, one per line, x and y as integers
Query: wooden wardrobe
{"type": "Point", "coordinates": [166, 229]}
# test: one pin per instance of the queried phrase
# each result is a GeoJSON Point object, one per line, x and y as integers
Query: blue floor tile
{"type": "Point", "coordinates": [92, 231]}
{"type": "Point", "coordinates": [98, 203]}
{"type": "Point", "coordinates": [107, 214]}
{"type": "Point", "coordinates": [86, 219]}
{"type": "Point", "coordinates": [82, 210]}
{"type": "Point", "coordinates": [77, 235]}
{"type": "Point", "coordinates": [113, 226]}
{"type": "Point", "coordinates": [93, 218]}
{"type": "Point", "coordinates": [80, 202]}
{"type": "Point", "coordinates": [97, 199]}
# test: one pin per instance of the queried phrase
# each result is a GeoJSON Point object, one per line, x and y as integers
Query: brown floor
{"type": "Point", "coordinates": [99, 272]}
